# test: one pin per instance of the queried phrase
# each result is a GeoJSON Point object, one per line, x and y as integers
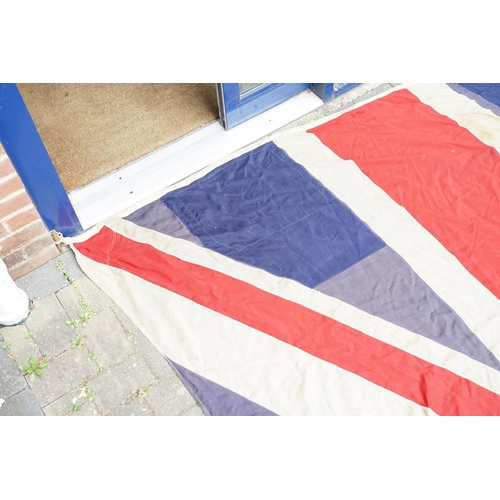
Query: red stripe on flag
{"type": "Point", "coordinates": [413, 378]}
{"type": "Point", "coordinates": [446, 178]}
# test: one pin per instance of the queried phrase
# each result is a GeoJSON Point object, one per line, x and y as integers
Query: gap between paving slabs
{"type": "Point", "coordinates": [98, 362]}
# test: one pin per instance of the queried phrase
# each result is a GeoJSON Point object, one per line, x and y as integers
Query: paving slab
{"type": "Point", "coordinates": [87, 410]}
{"type": "Point", "coordinates": [65, 405]}
{"type": "Point", "coordinates": [92, 294]}
{"type": "Point", "coordinates": [155, 360]}
{"type": "Point", "coordinates": [21, 404]}
{"type": "Point", "coordinates": [134, 408]}
{"type": "Point", "coordinates": [47, 279]}
{"type": "Point", "coordinates": [63, 373]}
{"type": "Point", "coordinates": [170, 398]}
{"type": "Point", "coordinates": [128, 325]}
{"type": "Point", "coordinates": [10, 381]}
{"type": "Point", "coordinates": [106, 338]}
{"type": "Point", "coordinates": [22, 348]}
{"type": "Point", "coordinates": [194, 411]}
{"type": "Point", "coordinates": [47, 322]}
{"type": "Point", "coordinates": [116, 384]}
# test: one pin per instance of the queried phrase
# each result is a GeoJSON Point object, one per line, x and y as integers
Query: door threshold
{"type": "Point", "coordinates": [152, 174]}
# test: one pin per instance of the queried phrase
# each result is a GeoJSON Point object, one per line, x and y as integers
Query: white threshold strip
{"type": "Point", "coordinates": [132, 184]}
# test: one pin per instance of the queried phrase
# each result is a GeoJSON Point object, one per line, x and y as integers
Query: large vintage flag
{"type": "Point", "coordinates": [348, 268]}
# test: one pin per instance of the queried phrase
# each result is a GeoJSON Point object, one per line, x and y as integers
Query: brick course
{"type": "Point", "coordinates": [25, 242]}
{"type": "Point", "coordinates": [10, 184]}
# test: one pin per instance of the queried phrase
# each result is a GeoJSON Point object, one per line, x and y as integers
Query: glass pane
{"type": "Point", "coordinates": [246, 88]}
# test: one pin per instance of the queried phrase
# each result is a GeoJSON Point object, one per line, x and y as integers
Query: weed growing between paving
{"type": "Point", "coordinates": [95, 358]}
{"type": "Point", "coordinates": [141, 392]}
{"type": "Point", "coordinates": [85, 315]}
{"type": "Point", "coordinates": [33, 367]}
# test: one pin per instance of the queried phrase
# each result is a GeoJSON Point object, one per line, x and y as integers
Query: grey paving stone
{"type": "Point", "coordinates": [372, 93]}
{"type": "Point", "coordinates": [128, 324]}
{"type": "Point", "coordinates": [106, 338]}
{"type": "Point", "coordinates": [194, 411]}
{"type": "Point", "coordinates": [135, 408]}
{"type": "Point", "coordinates": [47, 279]}
{"type": "Point", "coordinates": [48, 322]}
{"type": "Point", "coordinates": [114, 386]}
{"type": "Point", "coordinates": [87, 410]}
{"type": "Point", "coordinates": [71, 265]}
{"type": "Point", "coordinates": [170, 398]}
{"type": "Point", "coordinates": [11, 378]}
{"type": "Point", "coordinates": [21, 348]}
{"type": "Point", "coordinates": [22, 404]}
{"type": "Point", "coordinates": [63, 374]}
{"type": "Point", "coordinates": [65, 404]}
{"type": "Point", "coordinates": [158, 364]}
{"type": "Point", "coordinates": [93, 296]}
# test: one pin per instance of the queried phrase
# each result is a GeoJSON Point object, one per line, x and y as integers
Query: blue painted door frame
{"type": "Point", "coordinates": [236, 107]}
{"type": "Point", "coordinates": [22, 143]}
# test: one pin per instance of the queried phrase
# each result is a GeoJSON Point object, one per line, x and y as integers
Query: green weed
{"type": "Point", "coordinates": [141, 392]}
{"type": "Point", "coordinates": [78, 341]}
{"type": "Point", "coordinates": [33, 367]}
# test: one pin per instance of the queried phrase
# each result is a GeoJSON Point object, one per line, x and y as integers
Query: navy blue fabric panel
{"type": "Point", "coordinates": [266, 210]}
{"type": "Point", "coordinates": [486, 95]}
{"type": "Point", "coordinates": [217, 400]}
{"type": "Point", "coordinates": [488, 91]}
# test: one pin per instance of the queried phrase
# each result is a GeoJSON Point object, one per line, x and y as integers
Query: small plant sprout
{"type": "Point", "coordinates": [33, 367]}
{"type": "Point", "coordinates": [76, 404]}
{"type": "Point", "coordinates": [30, 335]}
{"type": "Point", "coordinates": [85, 317]}
{"type": "Point", "coordinates": [141, 392]}
{"type": "Point", "coordinates": [6, 346]}
{"type": "Point", "coordinates": [100, 368]}
{"type": "Point", "coordinates": [78, 341]}
{"type": "Point", "coordinates": [74, 323]}
{"type": "Point", "coordinates": [90, 395]}
{"type": "Point", "coordinates": [93, 356]}
{"type": "Point", "coordinates": [87, 313]}
{"type": "Point", "coordinates": [87, 393]}
{"type": "Point", "coordinates": [61, 267]}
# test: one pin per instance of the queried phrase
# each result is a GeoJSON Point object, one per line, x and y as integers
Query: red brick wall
{"type": "Point", "coordinates": [25, 242]}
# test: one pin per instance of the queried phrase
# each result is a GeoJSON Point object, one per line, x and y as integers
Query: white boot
{"type": "Point", "coordinates": [14, 303]}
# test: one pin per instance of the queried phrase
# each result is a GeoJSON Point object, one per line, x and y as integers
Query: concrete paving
{"type": "Point", "coordinates": [107, 367]}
